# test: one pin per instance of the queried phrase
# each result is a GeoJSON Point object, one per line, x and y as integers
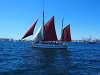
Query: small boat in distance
{"type": "Point", "coordinates": [90, 41]}
{"type": "Point", "coordinates": [46, 35]}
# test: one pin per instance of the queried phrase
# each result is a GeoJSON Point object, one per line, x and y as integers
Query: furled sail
{"type": "Point", "coordinates": [66, 36]}
{"type": "Point", "coordinates": [30, 31]}
{"type": "Point", "coordinates": [39, 35]}
{"type": "Point", "coordinates": [49, 31]}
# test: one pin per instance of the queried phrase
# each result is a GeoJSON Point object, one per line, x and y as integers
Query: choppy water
{"type": "Point", "coordinates": [19, 58]}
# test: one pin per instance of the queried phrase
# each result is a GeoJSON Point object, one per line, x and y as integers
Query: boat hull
{"type": "Point", "coordinates": [50, 46]}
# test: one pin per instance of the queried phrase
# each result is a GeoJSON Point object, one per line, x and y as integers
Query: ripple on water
{"type": "Point", "coordinates": [19, 58]}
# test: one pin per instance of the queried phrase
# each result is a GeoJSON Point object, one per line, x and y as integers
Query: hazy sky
{"type": "Point", "coordinates": [16, 16]}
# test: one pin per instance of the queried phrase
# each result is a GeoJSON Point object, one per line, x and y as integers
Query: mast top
{"type": "Point", "coordinates": [62, 28]}
{"type": "Point", "coordinates": [62, 20]}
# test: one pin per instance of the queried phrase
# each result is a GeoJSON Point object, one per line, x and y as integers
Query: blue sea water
{"type": "Point", "coordinates": [19, 58]}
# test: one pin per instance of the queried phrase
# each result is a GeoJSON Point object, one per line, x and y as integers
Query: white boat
{"type": "Point", "coordinates": [46, 35]}
{"type": "Point", "coordinates": [50, 45]}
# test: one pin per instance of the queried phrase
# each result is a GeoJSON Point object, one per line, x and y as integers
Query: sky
{"type": "Point", "coordinates": [17, 16]}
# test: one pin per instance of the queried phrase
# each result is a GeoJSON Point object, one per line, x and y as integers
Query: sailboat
{"type": "Point", "coordinates": [46, 36]}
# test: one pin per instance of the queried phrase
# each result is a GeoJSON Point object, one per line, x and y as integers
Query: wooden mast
{"type": "Point", "coordinates": [62, 28]}
{"type": "Point", "coordinates": [43, 19]}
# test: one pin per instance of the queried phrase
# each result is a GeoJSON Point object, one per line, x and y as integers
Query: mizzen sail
{"type": "Point", "coordinates": [66, 36]}
{"type": "Point", "coordinates": [30, 31]}
{"type": "Point", "coordinates": [49, 31]}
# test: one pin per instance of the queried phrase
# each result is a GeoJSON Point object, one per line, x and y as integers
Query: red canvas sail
{"type": "Point", "coordinates": [49, 31]}
{"type": "Point", "coordinates": [30, 31]}
{"type": "Point", "coordinates": [66, 36]}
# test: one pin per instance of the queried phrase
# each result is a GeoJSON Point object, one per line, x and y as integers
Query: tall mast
{"type": "Point", "coordinates": [43, 19]}
{"type": "Point", "coordinates": [62, 28]}
{"type": "Point", "coordinates": [43, 13]}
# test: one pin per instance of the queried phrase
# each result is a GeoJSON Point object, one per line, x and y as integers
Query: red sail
{"type": "Point", "coordinates": [49, 31]}
{"type": "Point", "coordinates": [66, 36]}
{"type": "Point", "coordinates": [30, 31]}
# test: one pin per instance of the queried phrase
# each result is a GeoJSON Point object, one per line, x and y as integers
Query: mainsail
{"type": "Point", "coordinates": [49, 31]}
{"type": "Point", "coordinates": [66, 36]}
{"type": "Point", "coordinates": [30, 31]}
